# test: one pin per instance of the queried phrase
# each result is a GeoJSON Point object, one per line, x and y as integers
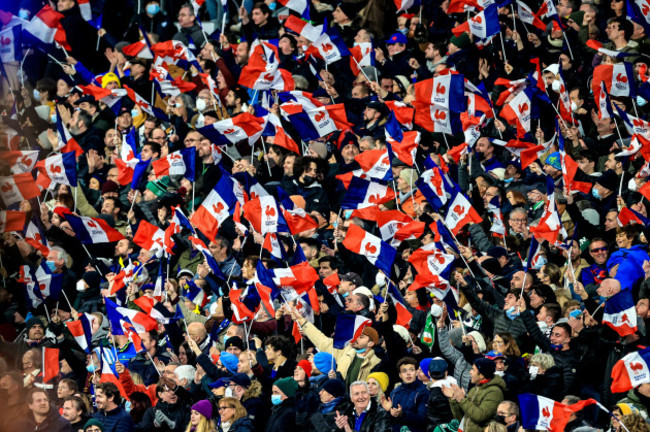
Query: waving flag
{"type": "Point", "coordinates": [240, 312]}
{"type": "Point", "coordinates": [264, 215]}
{"type": "Point", "coordinates": [91, 230]}
{"type": "Point", "coordinates": [11, 40]}
{"type": "Point", "coordinates": [627, 216]}
{"type": "Point", "coordinates": [631, 371]}
{"type": "Point", "coordinates": [527, 16]}
{"type": "Point", "coordinates": [212, 263]}
{"type": "Point", "coordinates": [574, 178]}
{"type": "Point", "coordinates": [108, 358]}
{"type": "Point", "coordinates": [118, 316]}
{"type": "Point", "coordinates": [376, 163]}
{"type": "Point", "coordinates": [151, 238]}
{"type": "Point", "coordinates": [402, 112]}
{"type": "Point", "coordinates": [12, 220]}
{"type": "Point", "coordinates": [215, 208]}
{"type": "Point", "coordinates": [494, 208]}
{"type": "Point", "coordinates": [444, 91]}
{"type": "Point", "coordinates": [519, 111]}
{"type": "Point", "coordinates": [348, 329]}
{"type": "Point", "coordinates": [300, 277]}
{"type": "Point", "coordinates": [299, 6]}
{"type": "Point", "coordinates": [281, 138]}
{"type": "Point", "coordinates": [297, 218]}
{"type": "Point", "coordinates": [436, 119]}
{"type": "Point", "coordinates": [262, 71]}
{"type": "Point", "coordinates": [617, 78]}
{"type": "Point", "coordinates": [242, 127]}
{"type": "Point", "coordinates": [303, 28]}
{"type": "Point", "coordinates": [16, 188]}
{"type": "Point", "coordinates": [124, 277]}
{"type": "Point", "coordinates": [157, 310]}
{"type": "Point", "coordinates": [379, 253]}
{"type": "Point", "coordinates": [549, 225]}
{"type": "Point", "coordinates": [138, 49]}
{"type": "Point", "coordinates": [620, 313]}
{"type": "Point", "coordinates": [603, 103]}
{"type": "Point", "coordinates": [46, 27]}
{"type": "Point", "coordinates": [388, 221]}
{"type": "Point", "coordinates": [435, 186]}
{"type": "Point", "coordinates": [329, 46]}
{"type": "Point", "coordinates": [81, 331]}
{"type": "Point", "coordinates": [540, 413]}
{"type": "Point", "coordinates": [51, 367]}
{"type": "Point", "coordinates": [362, 54]}
{"type": "Point", "coordinates": [20, 161]}
{"type": "Point", "coordinates": [180, 162]}
{"type": "Point", "coordinates": [317, 122]}
{"type": "Point", "coordinates": [364, 193]}
{"type": "Point", "coordinates": [404, 144]}
{"type": "Point", "coordinates": [482, 25]}
{"type": "Point", "coordinates": [60, 168]}
{"type": "Point", "coordinates": [429, 260]}
{"type": "Point", "coordinates": [176, 225]}
{"type": "Point", "coordinates": [598, 46]}
{"type": "Point", "coordinates": [460, 213]}
{"type": "Point", "coordinates": [144, 105]}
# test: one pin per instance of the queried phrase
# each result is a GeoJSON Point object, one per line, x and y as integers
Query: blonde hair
{"type": "Point", "coordinates": [205, 425]}
{"type": "Point", "coordinates": [137, 378]}
{"type": "Point", "coordinates": [240, 411]}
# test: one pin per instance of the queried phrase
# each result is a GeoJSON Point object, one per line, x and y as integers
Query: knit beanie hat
{"type": "Point", "coordinates": [382, 379]}
{"type": "Point", "coordinates": [324, 362]}
{"type": "Point", "coordinates": [424, 366]}
{"type": "Point", "coordinates": [288, 386]}
{"type": "Point", "coordinates": [93, 279]}
{"type": "Point", "coordinates": [203, 407]}
{"type": "Point", "coordinates": [109, 78]}
{"type": "Point", "coordinates": [32, 322]}
{"type": "Point", "coordinates": [94, 422]}
{"type": "Point", "coordinates": [480, 340]}
{"type": "Point", "coordinates": [461, 41]}
{"type": "Point", "coordinates": [230, 361]}
{"type": "Point", "coordinates": [335, 387]}
{"type": "Point", "coordinates": [306, 366]}
{"type": "Point", "coordinates": [486, 367]}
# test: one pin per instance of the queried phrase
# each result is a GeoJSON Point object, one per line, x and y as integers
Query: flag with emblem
{"type": "Point", "coordinates": [620, 313]}
{"type": "Point", "coordinates": [460, 212]}
{"type": "Point", "coordinates": [379, 253]}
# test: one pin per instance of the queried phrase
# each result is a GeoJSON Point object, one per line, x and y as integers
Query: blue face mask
{"type": "Point", "coordinates": [555, 347]}
{"type": "Point", "coordinates": [153, 9]}
{"type": "Point", "coordinates": [91, 368]}
{"type": "Point", "coordinates": [51, 265]}
{"type": "Point", "coordinates": [37, 95]}
{"type": "Point", "coordinates": [540, 262]}
{"type": "Point", "coordinates": [23, 14]}
{"type": "Point", "coordinates": [134, 113]}
{"type": "Point", "coordinates": [512, 312]}
{"type": "Point", "coordinates": [276, 399]}
{"type": "Point", "coordinates": [345, 295]}
{"type": "Point", "coordinates": [360, 351]}
{"type": "Point", "coordinates": [595, 193]}
{"type": "Point", "coordinates": [508, 180]}
{"type": "Point", "coordinates": [273, 6]}
{"type": "Point", "coordinates": [403, 31]}
{"type": "Point", "coordinates": [128, 406]}
{"type": "Point", "coordinates": [53, 118]}
{"type": "Point", "coordinates": [640, 101]}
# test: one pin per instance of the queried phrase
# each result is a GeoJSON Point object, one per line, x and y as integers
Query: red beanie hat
{"type": "Point", "coordinates": [306, 366]}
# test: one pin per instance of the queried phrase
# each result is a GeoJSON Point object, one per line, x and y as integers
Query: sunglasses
{"type": "Point", "coordinates": [600, 249]}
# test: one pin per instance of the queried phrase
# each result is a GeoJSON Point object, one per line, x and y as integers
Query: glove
{"type": "Point", "coordinates": [160, 419]}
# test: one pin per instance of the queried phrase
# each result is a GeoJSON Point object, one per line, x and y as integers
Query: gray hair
{"type": "Point", "coordinates": [61, 254]}
{"type": "Point", "coordinates": [546, 361]}
{"type": "Point", "coordinates": [190, 7]}
{"type": "Point", "coordinates": [371, 141]}
{"type": "Point", "coordinates": [359, 383]}
{"type": "Point", "coordinates": [185, 372]}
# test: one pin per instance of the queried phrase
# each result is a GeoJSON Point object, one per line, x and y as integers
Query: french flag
{"type": "Point", "coordinates": [460, 212]}
{"type": "Point", "coordinates": [138, 49]}
{"type": "Point", "coordinates": [157, 310]}
{"type": "Point", "coordinates": [60, 168]}
{"type": "Point", "coordinates": [332, 283]}
{"type": "Point", "coordinates": [240, 312]}
{"type": "Point", "coordinates": [534, 254]}
{"type": "Point", "coordinates": [81, 331]}
{"type": "Point", "coordinates": [519, 111]}
{"type": "Point", "coordinates": [180, 162]}
{"type": "Point", "coordinates": [18, 187]}
{"type": "Point", "coordinates": [494, 208]}
{"type": "Point", "coordinates": [297, 219]}
{"type": "Point", "coordinates": [299, 6]}
{"type": "Point", "coordinates": [262, 71]}
{"type": "Point", "coordinates": [51, 367]}
{"type": "Point", "coordinates": [361, 55]}
{"type": "Point", "coordinates": [215, 208]}
{"type": "Point", "coordinates": [634, 125]}
{"type": "Point", "coordinates": [402, 112]}
{"type": "Point", "coordinates": [348, 329]}
{"type": "Point", "coordinates": [46, 27]}
{"type": "Point", "coordinates": [445, 91]}
{"type": "Point", "coordinates": [21, 161]}
{"type": "Point", "coordinates": [90, 230]}
{"type": "Point", "coordinates": [540, 413]}
{"type": "Point", "coordinates": [627, 216]}
{"type": "Point", "coordinates": [264, 215]}
{"type": "Point", "coordinates": [303, 28]}
{"type": "Point", "coordinates": [247, 188]}
{"type": "Point", "coordinates": [212, 263]}
{"type": "Point", "coordinates": [437, 119]}
{"type": "Point", "coordinates": [12, 220]}
{"type": "Point", "coordinates": [620, 313]}
{"type": "Point", "coordinates": [598, 46]}
{"type": "Point", "coordinates": [603, 102]}
{"type": "Point", "coordinates": [618, 79]}
{"type": "Point", "coordinates": [527, 16]}
{"type": "Point", "coordinates": [109, 373]}
{"type": "Point", "coordinates": [404, 317]}
{"type": "Point", "coordinates": [379, 253]}
{"type": "Point", "coordinates": [403, 5]}
{"type": "Point", "coordinates": [410, 231]}
{"type": "Point", "coordinates": [280, 136]}
{"type": "Point", "coordinates": [242, 127]}
{"type": "Point", "coordinates": [549, 225]}
{"type": "Point", "coordinates": [364, 193]}
{"type": "Point", "coordinates": [434, 186]}
{"type": "Point", "coordinates": [482, 25]}
{"type": "Point", "coordinates": [404, 144]}
{"type": "Point", "coordinates": [300, 277]}
{"type": "Point", "coordinates": [177, 224]}
{"type": "Point", "coordinates": [118, 316]}
{"type": "Point", "coordinates": [144, 105]}
{"type": "Point", "coordinates": [376, 163]}
{"type": "Point", "coordinates": [571, 172]}
{"type": "Point", "coordinates": [429, 260]}
{"type": "Point", "coordinates": [631, 371]}
{"type": "Point", "coordinates": [123, 278]}
{"type": "Point", "coordinates": [329, 46]}
{"type": "Point", "coordinates": [151, 238]}
{"type": "Point", "coordinates": [273, 245]}
{"type": "Point", "coordinates": [175, 87]}
{"type": "Point", "coordinates": [317, 122]}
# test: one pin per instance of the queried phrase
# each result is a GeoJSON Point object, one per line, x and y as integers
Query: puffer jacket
{"type": "Point", "coordinates": [479, 406]}
{"type": "Point", "coordinates": [454, 356]}
{"type": "Point", "coordinates": [413, 398]}
{"type": "Point", "coordinates": [377, 419]}
{"type": "Point", "coordinates": [255, 406]}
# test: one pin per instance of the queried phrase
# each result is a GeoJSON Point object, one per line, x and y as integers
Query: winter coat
{"type": "Point", "coordinates": [244, 424]}
{"type": "Point", "coordinates": [548, 384]}
{"type": "Point", "coordinates": [454, 356]}
{"type": "Point", "coordinates": [376, 420]}
{"type": "Point", "coordinates": [479, 406]}
{"type": "Point", "coordinates": [343, 357]}
{"type": "Point", "coordinates": [53, 423]}
{"type": "Point", "coordinates": [179, 413]}
{"type": "Point", "coordinates": [438, 409]}
{"type": "Point", "coordinates": [117, 420]}
{"type": "Point", "coordinates": [306, 401]}
{"type": "Point", "coordinates": [255, 406]}
{"type": "Point", "coordinates": [413, 399]}
{"type": "Point", "coordinates": [283, 417]}
{"type": "Point", "coordinates": [325, 421]}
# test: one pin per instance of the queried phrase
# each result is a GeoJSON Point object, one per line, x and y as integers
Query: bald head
{"type": "Point", "coordinates": [197, 332]}
{"type": "Point", "coordinates": [609, 287]}
{"type": "Point", "coordinates": [520, 279]}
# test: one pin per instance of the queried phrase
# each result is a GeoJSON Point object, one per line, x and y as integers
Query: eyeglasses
{"type": "Point", "coordinates": [600, 249]}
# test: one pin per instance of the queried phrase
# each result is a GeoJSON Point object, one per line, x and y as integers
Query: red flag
{"type": "Point", "coordinates": [50, 364]}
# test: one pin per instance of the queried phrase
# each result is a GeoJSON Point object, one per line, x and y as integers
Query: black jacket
{"type": "Point", "coordinates": [438, 409]}
{"type": "Point", "coordinates": [376, 420]}
{"type": "Point", "coordinates": [283, 417]}
{"type": "Point", "coordinates": [53, 423]}
{"type": "Point", "coordinates": [322, 421]}
{"type": "Point", "coordinates": [549, 384]}
{"type": "Point", "coordinates": [179, 413]}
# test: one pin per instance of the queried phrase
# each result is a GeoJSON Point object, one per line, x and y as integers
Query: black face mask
{"type": "Point", "coordinates": [308, 180]}
{"type": "Point", "coordinates": [500, 419]}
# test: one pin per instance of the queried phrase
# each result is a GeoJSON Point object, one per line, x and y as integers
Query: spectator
{"type": "Point", "coordinates": [110, 412]}
{"type": "Point", "coordinates": [43, 415]}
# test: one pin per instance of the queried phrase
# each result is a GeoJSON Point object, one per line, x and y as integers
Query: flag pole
{"type": "Point", "coordinates": [503, 48]}
{"type": "Point", "coordinates": [458, 243]}
{"type": "Point", "coordinates": [47, 313]}
{"type": "Point", "coordinates": [266, 159]}
{"type": "Point", "coordinates": [91, 257]}
{"type": "Point", "coordinates": [153, 362]}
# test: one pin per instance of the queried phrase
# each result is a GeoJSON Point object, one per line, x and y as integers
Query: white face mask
{"type": "Point", "coordinates": [542, 325]}
{"type": "Point", "coordinates": [81, 287]}
{"type": "Point", "coordinates": [228, 392]}
{"type": "Point", "coordinates": [555, 86]}
{"type": "Point", "coordinates": [200, 104]}
{"type": "Point", "coordinates": [499, 373]}
{"type": "Point", "coordinates": [200, 120]}
{"type": "Point", "coordinates": [532, 371]}
{"type": "Point", "coordinates": [436, 311]}
{"type": "Point", "coordinates": [574, 106]}
{"type": "Point", "coordinates": [631, 185]}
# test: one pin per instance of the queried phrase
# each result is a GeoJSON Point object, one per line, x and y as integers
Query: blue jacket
{"type": "Point", "coordinates": [117, 420]}
{"type": "Point", "coordinates": [413, 398]}
{"type": "Point", "coordinates": [630, 265]}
